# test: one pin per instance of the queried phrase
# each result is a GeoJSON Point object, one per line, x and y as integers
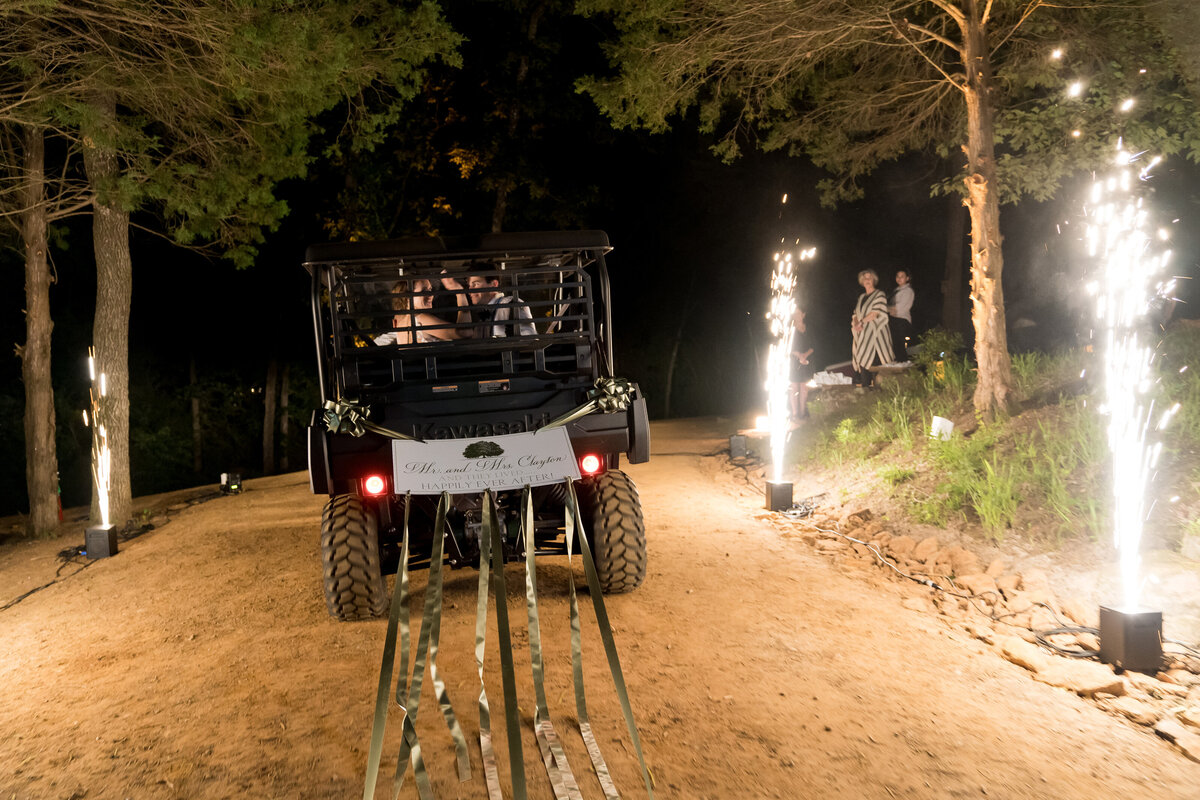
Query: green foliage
{"type": "Point", "coordinates": [1181, 364]}
{"type": "Point", "coordinates": [895, 476]}
{"type": "Point", "coordinates": [207, 105]}
{"type": "Point", "coordinates": [846, 431]}
{"type": "Point", "coordinates": [971, 480]}
{"type": "Point", "coordinates": [994, 497]}
{"type": "Point", "coordinates": [1025, 366]}
{"type": "Point", "coordinates": [950, 387]}
{"type": "Point", "coordinates": [1119, 54]}
{"type": "Point", "coordinates": [1050, 374]}
{"type": "Point", "coordinates": [856, 84]}
{"type": "Point", "coordinates": [482, 143]}
{"type": "Point", "coordinates": [936, 345]}
{"type": "Point", "coordinates": [1047, 466]}
{"type": "Point", "coordinates": [1054, 456]}
{"type": "Point", "coordinates": [159, 455]}
{"type": "Point", "coordinates": [892, 418]}
{"type": "Point", "coordinates": [1001, 465]}
{"type": "Point", "coordinates": [845, 440]}
{"type": "Point", "coordinates": [943, 376]}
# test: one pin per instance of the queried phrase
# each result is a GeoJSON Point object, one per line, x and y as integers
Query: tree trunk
{"type": "Point", "coordinates": [952, 282]}
{"type": "Point", "coordinates": [41, 456]}
{"type": "Point", "coordinates": [114, 292]}
{"type": "Point", "coordinates": [500, 208]}
{"type": "Point", "coordinates": [283, 419]}
{"type": "Point", "coordinates": [269, 417]}
{"type": "Point", "coordinates": [197, 431]}
{"type": "Point", "coordinates": [994, 389]}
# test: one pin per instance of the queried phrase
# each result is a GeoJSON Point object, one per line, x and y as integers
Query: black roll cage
{"type": "Point", "coordinates": [526, 262]}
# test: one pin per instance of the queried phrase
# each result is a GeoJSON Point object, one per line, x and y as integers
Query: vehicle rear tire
{"type": "Point", "coordinates": [350, 557]}
{"type": "Point", "coordinates": [617, 532]}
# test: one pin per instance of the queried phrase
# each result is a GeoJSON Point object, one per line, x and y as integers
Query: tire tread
{"type": "Point", "coordinates": [352, 569]}
{"type": "Point", "coordinates": [618, 533]}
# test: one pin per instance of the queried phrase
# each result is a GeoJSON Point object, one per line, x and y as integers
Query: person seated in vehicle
{"type": "Point", "coordinates": [490, 312]}
{"type": "Point", "coordinates": [415, 324]}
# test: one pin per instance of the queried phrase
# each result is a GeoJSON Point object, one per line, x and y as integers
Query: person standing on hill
{"type": "Point", "coordinates": [900, 315]}
{"type": "Point", "coordinates": [872, 342]}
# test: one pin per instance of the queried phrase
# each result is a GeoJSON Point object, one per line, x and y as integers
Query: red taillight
{"type": "Point", "coordinates": [590, 464]}
{"type": "Point", "coordinates": [374, 485]}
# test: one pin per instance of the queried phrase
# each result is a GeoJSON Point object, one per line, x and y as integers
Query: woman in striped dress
{"type": "Point", "coordinates": [872, 339]}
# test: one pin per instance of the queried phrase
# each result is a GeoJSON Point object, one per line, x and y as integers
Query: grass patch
{"type": "Point", "coordinates": [1181, 384]}
{"type": "Point", "coordinates": [1044, 467]}
{"type": "Point", "coordinates": [1045, 470]}
{"type": "Point", "coordinates": [895, 476]}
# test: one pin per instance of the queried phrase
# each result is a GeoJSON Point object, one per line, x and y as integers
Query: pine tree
{"type": "Point", "coordinates": [195, 109]}
{"type": "Point", "coordinates": [854, 84]}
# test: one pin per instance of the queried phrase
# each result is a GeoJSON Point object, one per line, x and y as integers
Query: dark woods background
{"type": "Point", "coordinates": [219, 355]}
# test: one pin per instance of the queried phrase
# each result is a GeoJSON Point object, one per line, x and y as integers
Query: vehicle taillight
{"type": "Point", "coordinates": [590, 464]}
{"type": "Point", "coordinates": [374, 485]}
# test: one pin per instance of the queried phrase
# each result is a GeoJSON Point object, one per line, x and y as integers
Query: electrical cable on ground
{"type": "Point", "coordinates": [67, 556]}
{"type": "Point", "coordinates": [72, 555]}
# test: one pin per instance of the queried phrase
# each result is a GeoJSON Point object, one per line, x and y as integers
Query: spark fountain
{"type": "Point", "coordinates": [1129, 256]}
{"type": "Point", "coordinates": [100, 541]}
{"type": "Point", "coordinates": [778, 384]}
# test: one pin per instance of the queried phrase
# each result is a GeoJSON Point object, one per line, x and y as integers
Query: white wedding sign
{"type": "Point", "coordinates": [467, 466]}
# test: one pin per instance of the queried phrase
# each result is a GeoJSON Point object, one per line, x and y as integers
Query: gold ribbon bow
{"type": "Point", "coordinates": [610, 396]}
{"type": "Point", "coordinates": [348, 417]}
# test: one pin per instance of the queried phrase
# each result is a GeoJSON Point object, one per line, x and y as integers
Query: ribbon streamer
{"type": "Point", "coordinates": [410, 746]}
{"type": "Point", "coordinates": [610, 646]}
{"type": "Point", "coordinates": [557, 769]}
{"type": "Point", "coordinates": [581, 712]}
{"type": "Point", "coordinates": [386, 668]}
{"type": "Point", "coordinates": [516, 758]}
{"type": "Point", "coordinates": [491, 772]}
{"type": "Point", "coordinates": [491, 573]}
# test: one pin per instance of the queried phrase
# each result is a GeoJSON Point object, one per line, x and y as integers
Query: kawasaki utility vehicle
{"type": "Point", "coordinates": [437, 339]}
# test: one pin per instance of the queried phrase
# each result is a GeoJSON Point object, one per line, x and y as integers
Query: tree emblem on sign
{"type": "Point", "coordinates": [483, 450]}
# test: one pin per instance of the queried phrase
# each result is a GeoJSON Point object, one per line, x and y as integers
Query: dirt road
{"type": "Point", "coordinates": [200, 663]}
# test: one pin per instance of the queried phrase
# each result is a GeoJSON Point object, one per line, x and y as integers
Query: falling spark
{"type": "Point", "coordinates": [101, 455]}
{"type": "Point", "coordinates": [779, 313]}
{"type": "Point", "coordinates": [1056, 53]}
{"type": "Point", "coordinates": [1075, 89]}
{"type": "Point", "coordinates": [1127, 104]}
{"type": "Point", "coordinates": [1120, 238]}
